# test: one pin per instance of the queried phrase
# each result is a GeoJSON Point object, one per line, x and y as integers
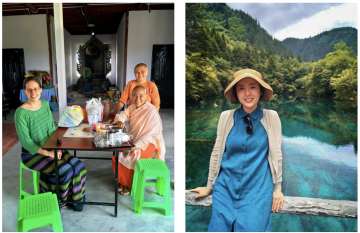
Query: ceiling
{"type": "Point", "coordinates": [76, 16]}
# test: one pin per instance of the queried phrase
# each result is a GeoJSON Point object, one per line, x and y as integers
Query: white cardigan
{"type": "Point", "coordinates": [272, 125]}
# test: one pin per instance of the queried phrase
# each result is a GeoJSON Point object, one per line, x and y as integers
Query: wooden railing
{"type": "Point", "coordinates": [297, 205]}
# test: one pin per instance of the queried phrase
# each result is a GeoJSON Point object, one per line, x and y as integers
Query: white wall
{"type": "Point", "coordinates": [120, 52]}
{"type": "Point", "coordinates": [82, 39]}
{"type": "Point", "coordinates": [145, 30]}
{"type": "Point", "coordinates": [28, 32]}
{"type": "Point", "coordinates": [68, 57]}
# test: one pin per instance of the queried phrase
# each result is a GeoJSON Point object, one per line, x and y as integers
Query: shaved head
{"type": "Point", "coordinates": [139, 96]}
{"type": "Point", "coordinates": [140, 64]}
{"type": "Point", "coordinates": [138, 87]}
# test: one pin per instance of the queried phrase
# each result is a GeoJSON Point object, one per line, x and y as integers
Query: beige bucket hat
{"type": "Point", "coordinates": [244, 73]}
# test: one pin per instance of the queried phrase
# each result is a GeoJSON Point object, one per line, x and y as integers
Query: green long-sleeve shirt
{"type": "Point", "coordinates": [34, 127]}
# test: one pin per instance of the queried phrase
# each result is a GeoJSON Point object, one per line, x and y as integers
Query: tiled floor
{"type": "Point", "coordinates": [99, 187]}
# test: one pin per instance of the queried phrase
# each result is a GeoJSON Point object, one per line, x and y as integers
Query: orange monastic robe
{"type": "Point", "coordinates": [151, 91]}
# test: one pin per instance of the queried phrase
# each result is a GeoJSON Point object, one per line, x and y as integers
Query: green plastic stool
{"type": "Point", "coordinates": [153, 168]}
{"type": "Point", "coordinates": [35, 180]}
{"type": "Point", "coordinates": [39, 210]}
{"type": "Point", "coordinates": [87, 73]}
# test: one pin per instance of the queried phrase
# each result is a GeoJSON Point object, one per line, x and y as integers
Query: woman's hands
{"type": "Point", "coordinates": [203, 192]}
{"type": "Point", "coordinates": [119, 124]}
{"type": "Point", "coordinates": [278, 201]}
{"type": "Point", "coordinates": [51, 154]}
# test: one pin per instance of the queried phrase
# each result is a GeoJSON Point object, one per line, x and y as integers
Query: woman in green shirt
{"type": "Point", "coordinates": [34, 125]}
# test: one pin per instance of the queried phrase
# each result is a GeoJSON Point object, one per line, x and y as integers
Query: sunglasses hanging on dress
{"type": "Point", "coordinates": [249, 128]}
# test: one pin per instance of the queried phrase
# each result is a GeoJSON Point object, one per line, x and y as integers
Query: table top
{"type": "Point", "coordinates": [75, 143]}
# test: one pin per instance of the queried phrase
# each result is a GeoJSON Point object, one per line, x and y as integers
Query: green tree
{"type": "Point", "coordinates": [237, 57]}
{"type": "Point", "coordinates": [201, 78]}
{"type": "Point", "coordinates": [271, 66]}
{"type": "Point", "coordinates": [345, 85]}
{"type": "Point", "coordinates": [248, 59]}
{"type": "Point", "coordinates": [299, 57]}
{"type": "Point", "coordinates": [198, 38]}
{"type": "Point", "coordinates": [320, 80]}
{"type": "Point", "coordinates": [331, 68]}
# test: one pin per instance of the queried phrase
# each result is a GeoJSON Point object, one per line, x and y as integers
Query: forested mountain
{"type": "Point", "coordinates": [220, 41]}
{"type": "Point", "coordinates": [315, 48]}
{"type": "Point", "coordinates": [237, 26]}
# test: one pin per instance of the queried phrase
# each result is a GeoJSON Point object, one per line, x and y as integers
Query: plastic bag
{"type": "Point", "coordinates": [95, 107]}
{"type": "Point", "coordinates": [92, 115]}
{"type": "Point", "coordinates": [71, 117]}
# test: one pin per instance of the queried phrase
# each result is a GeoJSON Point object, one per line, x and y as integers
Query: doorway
{"type": "Point", "coordinates": [162, 73]}
{"type": "Point", "coordinates": [13, 74]}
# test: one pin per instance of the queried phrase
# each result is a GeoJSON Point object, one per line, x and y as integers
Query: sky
{"type": "Point", "coordinates": [300, 20]}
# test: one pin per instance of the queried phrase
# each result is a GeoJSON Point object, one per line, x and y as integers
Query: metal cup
{"type": "Point", "coordinates": [117, 129]}
{"type": "Point", "coordinates": [111, 136]}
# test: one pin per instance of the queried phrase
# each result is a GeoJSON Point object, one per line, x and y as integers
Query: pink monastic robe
{"type": "Point", "coordinates": [145, 127]}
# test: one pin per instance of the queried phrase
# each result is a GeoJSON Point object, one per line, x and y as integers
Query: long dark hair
{"type": "Point", "coordinates": [35, 79]}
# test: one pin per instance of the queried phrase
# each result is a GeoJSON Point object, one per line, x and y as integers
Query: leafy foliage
{"type": "Point", "coordinates": [220, 41]}
{"type": "Point", "coordinates": [336, 74]}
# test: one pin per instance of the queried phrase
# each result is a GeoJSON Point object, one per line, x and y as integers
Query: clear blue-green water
{"type": "Point", "coordinates": [319, 157]}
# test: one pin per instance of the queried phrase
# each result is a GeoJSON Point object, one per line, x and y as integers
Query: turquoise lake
{"type": "Point", "coordinates": [319, 148]}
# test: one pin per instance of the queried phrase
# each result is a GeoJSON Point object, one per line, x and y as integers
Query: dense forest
{"type": "Point", "coordinates": [315, 48]}
{"type": "Point", "coordinates": [220, 41]}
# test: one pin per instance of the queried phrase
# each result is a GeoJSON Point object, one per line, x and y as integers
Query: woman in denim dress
{"type": "Point", "coordinates": [246, 161]}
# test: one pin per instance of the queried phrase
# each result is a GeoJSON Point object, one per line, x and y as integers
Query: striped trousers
{"type": "Point", "coordinates": [72, 174]}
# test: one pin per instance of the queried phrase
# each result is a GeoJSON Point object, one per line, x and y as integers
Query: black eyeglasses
{"type": "Point", "coordinates": [249, 128]}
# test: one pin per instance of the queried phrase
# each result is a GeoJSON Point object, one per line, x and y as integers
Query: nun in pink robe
{"type": "Point", "coordinates": [146, 128]}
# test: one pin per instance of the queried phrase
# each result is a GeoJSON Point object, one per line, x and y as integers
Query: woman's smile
{"type": "Point", "coordinates": [139, 96]}
{"type": "Point", "coordinates": [248, 93]}
{"type": "Point", "coordinates": [141, 73]}
{"type": "Point", "coordinates": [34, 96]}
{"type": "Point", "coordinates": [32, 91]}
{"type": "Point", "coordinates": [249, 100]}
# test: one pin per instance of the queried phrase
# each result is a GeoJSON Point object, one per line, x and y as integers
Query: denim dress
{"type": "Point", "coordinates": [243, 191]}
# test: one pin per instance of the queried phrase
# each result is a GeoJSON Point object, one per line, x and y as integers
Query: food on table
{"type": "Point", "coordinates": [87, 130]}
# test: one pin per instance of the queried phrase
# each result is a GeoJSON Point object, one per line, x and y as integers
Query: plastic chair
{"type": "Point", "coordinates": [39, 210]}
{"type": "Point", "coordinates": [35, 180]}
{"type": "Point", "coordinates": [85, 72]}
{"type": "Point", "coordinates": [151, 168]}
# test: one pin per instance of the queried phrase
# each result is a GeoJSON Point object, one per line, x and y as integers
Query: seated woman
{"type": "Point", "coordinates": [141, 72]}
{"type": "Point", "coordinates": [34, 125]}
{"type": "Point", "coordinates": [146, 128]}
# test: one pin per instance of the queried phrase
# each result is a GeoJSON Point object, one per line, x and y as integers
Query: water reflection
{"type": "Point", "coordinates": [332, 122]}
{"type": "Point", "coordinates": [319, 156]}
{"type": "Point", "coordinates": [326, 120]}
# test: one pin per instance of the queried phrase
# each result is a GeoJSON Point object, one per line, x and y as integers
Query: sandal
{"type": "Point", "coordinates": [125, 191]}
